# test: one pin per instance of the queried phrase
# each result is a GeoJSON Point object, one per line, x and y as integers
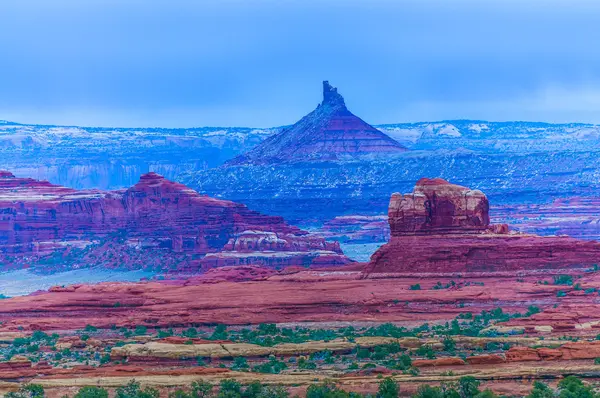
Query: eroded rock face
{"type": "Point", "coordinates": [329, 132]}
{"type": "Point", "coordinates": [436, 206]}
{"type": "Point", "coordinates": [38, 219]}
{"type": "Point", "coordinates": [243, 296]}
{"type": "Point", "coordinates": [444, 228]}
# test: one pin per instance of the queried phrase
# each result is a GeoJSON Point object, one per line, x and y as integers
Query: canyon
{"type": "Point", "coordinates": [155, 224]}
{"type": "Point", "coordinates": [253, 283]}
{"type": "Point", "coordinates": [523, 309]}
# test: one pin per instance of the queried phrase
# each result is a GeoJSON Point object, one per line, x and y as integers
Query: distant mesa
{"type": "Point", "coordinates": [330, 132]}
{"type": "Point", "coordinates": [442, 228]}
{"type": "Point", "coordinates": [6, 174]}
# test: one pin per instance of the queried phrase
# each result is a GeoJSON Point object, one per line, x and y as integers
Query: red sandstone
{"type": "Point", "coordinates": [156, 224]}
{"type": "Point", "coordinates": [444, 228]}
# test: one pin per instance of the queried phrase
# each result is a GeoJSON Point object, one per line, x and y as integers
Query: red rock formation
{"type": "Point", "coordinates": [567, 351]}
{"type": "Point", "coordinates": [436, 206]}
{"type": "Point", "coordinates": [154, 216]}
{"type": "Point", "coordinates": [446, 361]}
{"type": "Point", "coordinates": [486, 359]}
{"type": "Point", "coordinates": [329, 132]}
{"type": "Point", "coordinates": [306, 296]}
{"type": "Point", "coordinates": [444, 228]}
{"type": "Point", "coordinates": [234, 274]}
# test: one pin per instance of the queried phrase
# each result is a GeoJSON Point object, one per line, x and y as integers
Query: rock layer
{"type": "Point", "coordinates": [436, 206]}
{"type": "Point", "coordinates": [329, 132]}
{"type": "Point", "coordinates": [38, 220]}
{"type": "Point", "coordinates": [578, 217]}
{"type": "Point", "coordinates": [445, 228]}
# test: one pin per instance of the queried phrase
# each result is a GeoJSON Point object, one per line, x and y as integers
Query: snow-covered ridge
{"type": "Point", "coordinates": [109, 158]}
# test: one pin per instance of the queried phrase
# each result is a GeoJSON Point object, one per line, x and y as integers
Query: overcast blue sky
{"type": "Point", "coordinates": [178, 63]}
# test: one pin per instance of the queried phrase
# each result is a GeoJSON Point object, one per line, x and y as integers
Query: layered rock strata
{"type": "Point", "coordinates": [445, 228]}
{"type": "Point", "coordinates": [128, 228]}
{"type": "Point", "coordinates": [330, 132]}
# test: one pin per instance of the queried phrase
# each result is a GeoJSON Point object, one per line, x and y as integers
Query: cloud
{"type": "Point", "coordinates": [260, 63]}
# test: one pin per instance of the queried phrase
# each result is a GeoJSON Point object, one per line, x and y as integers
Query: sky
{"type": "Point", "coordinates": [260, 63]}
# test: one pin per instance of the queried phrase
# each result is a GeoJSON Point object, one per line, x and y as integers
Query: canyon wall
{"type": "Point", "coordinates": [124, 228]}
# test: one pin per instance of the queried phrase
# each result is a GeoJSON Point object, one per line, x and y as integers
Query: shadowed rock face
{"type": "Point", "coordinates": [329, 132]}
{"type": "Point", "coordinates": [445, 228]}
{"type": "Point", "coordinates": [154, 216]}
{"type": "Point", "coordinates": [437, 206]}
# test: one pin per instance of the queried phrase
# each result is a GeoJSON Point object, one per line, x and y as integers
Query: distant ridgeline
{"type": "Point", "coordinates": [329, 163]}
{"type": "Point", "coordinates": [332, 163]}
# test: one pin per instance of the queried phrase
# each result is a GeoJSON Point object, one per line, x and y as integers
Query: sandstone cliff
{"type": "Point", "coordinates": [133, 228]}
{"type": "Point", "coordinates": [444, 228]}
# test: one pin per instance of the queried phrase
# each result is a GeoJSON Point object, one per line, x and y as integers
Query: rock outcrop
{"type": "Point", "coordinates": [436, 206]}
{"type": "Point", "coordinates": [243, 297]}
{"type": "Point", "coordinates": [330, 132]}
{"type": "Point", "coordinates": [445, 228]}
{"type": "Point", "coordinates": [40, 221]}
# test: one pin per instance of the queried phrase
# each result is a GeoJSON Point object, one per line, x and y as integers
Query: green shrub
{"type": "Point", "coordinates": [165, 333]}
{"type": "Point", "coordinates": [388, 388]}
{"type": "Point", "coordinates": [92, 392]}
{"type": "Point", "coordinates": [190, 332]}
{"type": "Point", "coordinates": [268, 329]}
{"type": "Point", "coordinates": [426, 391]}
{"type": "Point", "coordinates": [573, 387]}
{"type": "Point", "coordinates": [563, 279]}
{"type": "Point", "coordinates": [532, 309]}
{"type": "Point", "coordinates": [21, 341]}
{"type": "Point", "coordinates": [201, 389]}
{"type": "Point", "coordinates": [541, 390]}
{"type": "Point", "coordinates": [179, 393]}
{"type": "Point", "coordinates": [220, 333]}
{"type": "Point", "coordinates": [304, 364]}
{"type": "Point", "coordinates": [271, 366]}
{"type": "Point", "coordinates": [468, 386]}
{"type": "Point", "coordinates": [134, 390]}
{"type": "Point", "coordinates": [28, 391]}
{"type": "Point", "coordinates": [105, 359]}
{"type": "Point", "coordinates": [328, 389]}
{"type": "Point", "coordinates": [449, 344]}
{"type": "Point", "coordinates": [229, 388]}
{"type": "Point", "coordinates": [425, 351]}
{"type": "Point", "coordinates": [363, 353]}
{"type": "Point", "coordinates": [239, 363]}
{"type": "Point", "coordinates": [140, 330]}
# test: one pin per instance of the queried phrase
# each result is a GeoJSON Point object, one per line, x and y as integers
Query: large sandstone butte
{"type": "Point", "coordinates": [42, 223]}
{"type": "Point", "coordinates": [445, 228]}
{"type": "Point", "coordinates": [329, 132]}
